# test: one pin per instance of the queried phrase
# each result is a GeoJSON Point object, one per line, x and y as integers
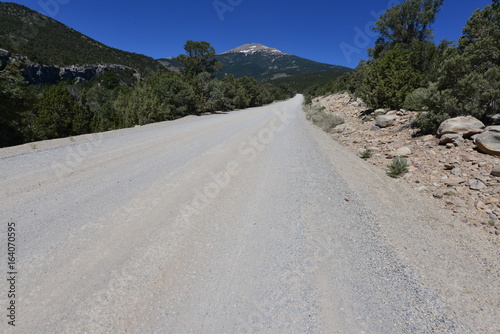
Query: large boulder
{"type": "Point", "coordinates": [489, 141]}
{"type": "Point", "coordinates": [384, 121]}
{"type": "Point", "coordinates": [466, 126]}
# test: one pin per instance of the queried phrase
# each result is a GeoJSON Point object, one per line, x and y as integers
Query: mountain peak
{"type": "Point", "coordinates": [252, 48]}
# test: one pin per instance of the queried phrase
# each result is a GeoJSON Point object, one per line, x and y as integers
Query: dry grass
{"type": "Point", "coordinates": [326, 121]}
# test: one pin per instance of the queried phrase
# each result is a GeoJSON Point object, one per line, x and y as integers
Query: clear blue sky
{"type": "Point", "coordinates": [330, 31]}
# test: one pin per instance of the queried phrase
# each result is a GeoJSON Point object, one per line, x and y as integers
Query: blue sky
{"type": "Point", "coordinates": [334, 32]}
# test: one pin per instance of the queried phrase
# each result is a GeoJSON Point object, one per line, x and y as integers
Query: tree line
{"type": "Point", "coordinates": [110, 101]}
{"type": "Point", "coordinates": [406, 69]}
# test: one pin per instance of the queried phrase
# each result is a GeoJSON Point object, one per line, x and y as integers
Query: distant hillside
{"type": "Point", "coordinates": [300, 82]}
{"type": "Point", "coordinates": [46, 41]}
{"type": "Point", "coordinates": [264, 63]}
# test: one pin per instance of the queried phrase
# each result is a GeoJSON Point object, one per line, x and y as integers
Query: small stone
{"type": "Point", "coordinates": [375, 127]}
{"type": "Point", "coordinates": [438, 194]}
{"type": "Point", "coordinates": [492, 200]}
{"type": "Point", "coordinates": [482, 164]}
{"type": "Point", "coordinates": [496, 171]}
{"type": "Point", "coordinates": [428, 138]}
{"type": "Point", "coordinates": [468, 157]}
{"type": "Point", "coordinates": [450, 145]}
{"type": "Point", "coordinates": [479, 204]}
{"type": "Point", "coordinates": [403, 152]}
{"type": "Point", "coordinates": [476, 185]}
{"type": "Point", "coordinates": [454, 181]}
{"type": "Point", "coordinates": [450, 192]}
{"type": "Point", "coordinates": [448, 166]}
{"type": "Point", "coordinates": [451, 138]}
{"type": "Point", "coordinates": [456, 171]}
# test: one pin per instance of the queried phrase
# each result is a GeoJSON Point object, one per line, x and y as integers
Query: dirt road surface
{"type": "Point", "coordinates": [252, 221]}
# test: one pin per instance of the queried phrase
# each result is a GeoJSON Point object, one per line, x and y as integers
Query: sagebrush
{"type": "Point", "coordinates": [326, 121]}
{"type": "Point", "coordinates": [398, 167]}
{"type": "Point", "coordinates": [366, 154]}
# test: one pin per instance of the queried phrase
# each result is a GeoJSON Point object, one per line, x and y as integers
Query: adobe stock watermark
{"type": "Point", "coordinates": [248, 150]}
{"type": "Point", "coordinates": [76, 154]}
{"type": "Point", "coordinates": [364, 36]}
{"type": "Point", "coordinates": [52, 7]}
{"type": "Point", "coordinates": [223, 6]}
{"type": "Point", "coordinates": [265, 314]}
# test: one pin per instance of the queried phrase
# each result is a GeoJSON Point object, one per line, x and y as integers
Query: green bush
{"type": "Point", "coordinates": [366, 154]}
{"type": "Point", "coordinates": [417, 100]}
{"type": "Point", "coordinates": [398, 167]}
{"type": "Point", "coordinates": [58, 114]}
{"type": "Point", "coordinates": [429, 122]}
{"type": "Point", "coordinates": [388, 80]}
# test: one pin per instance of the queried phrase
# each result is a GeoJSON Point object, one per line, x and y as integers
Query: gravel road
{"type": "Point", "coordinates": [252, 221]}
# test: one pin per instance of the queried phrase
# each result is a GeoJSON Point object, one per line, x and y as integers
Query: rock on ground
{"type": "Point", "coordinates": [489, 140]}
{"type": "Point", "coordinates": [434, 168]}
{"type": "Point", "coordinates": [466, 126]}
{"type": "Point", "coordinates": [384, 121]}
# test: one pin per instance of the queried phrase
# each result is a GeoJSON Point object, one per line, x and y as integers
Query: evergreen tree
{"type": "Point", "coordinates": [408, 26]}
{"type": "Point", "coordinates": [408, 22]}
{"type": "Point", "coordinates": [58, 114]}
{"type": "Point", "coordinates": [387, 81]}
{"type": "Point", "coordinates": [468, 80]}
{"type": "Point", "coordinates": [199, 58]}
{"type": "Point", "coordinates": [15, 100]}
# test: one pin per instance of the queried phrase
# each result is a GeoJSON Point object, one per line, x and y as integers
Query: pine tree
{"type": "Point", "coordinates": [199, 58]}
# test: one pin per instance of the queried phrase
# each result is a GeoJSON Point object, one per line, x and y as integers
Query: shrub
{"type": "Point", "coordinates": [330, 121]}
{"type": "Point", "coordinates": [429, 122]}
{"type": "Point", "coordinates": [388, 80]}
{"type": "Point", "coordinates": [326, 121]}
{"type": "Point", "coordinates": [366, 154]}
{"type": "Point", "coordinates": [398, 167]}
{"type": "Point", "coordinates": [417, 100]}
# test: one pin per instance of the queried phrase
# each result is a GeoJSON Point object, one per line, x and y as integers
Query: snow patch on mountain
{"type": "Point", "coordinates": [253, 48]}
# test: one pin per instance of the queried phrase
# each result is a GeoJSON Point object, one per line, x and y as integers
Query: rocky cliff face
{"type": "Point", "coordinates": [4, 57]}
{"type": "Point", "coordinates": [51, 74]}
